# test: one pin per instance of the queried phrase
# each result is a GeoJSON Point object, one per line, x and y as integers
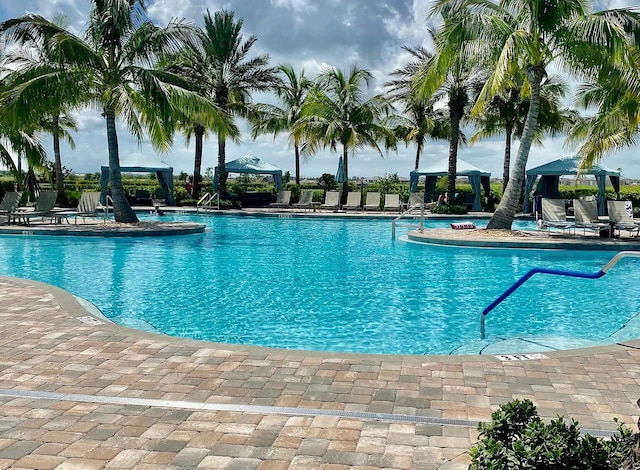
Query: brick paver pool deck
{"type": "Point", "coordinates": [77, 392]}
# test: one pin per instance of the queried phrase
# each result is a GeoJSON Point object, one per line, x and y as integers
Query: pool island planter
{"type": "Point", "coordinates": [520, 239]}
{"type": "Point", "coordinates": [141, 229]}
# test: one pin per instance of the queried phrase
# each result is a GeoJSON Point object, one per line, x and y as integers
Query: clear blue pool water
{"type": "Point", "coordinates": [328, 285]}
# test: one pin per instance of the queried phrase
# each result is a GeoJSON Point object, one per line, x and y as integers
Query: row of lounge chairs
{"type": "Point", "coordinates": [554, 216]}
{"type": "Point", "coordinates": [44, 208]}
{"type": "Point", "coordinates": [332, 201]}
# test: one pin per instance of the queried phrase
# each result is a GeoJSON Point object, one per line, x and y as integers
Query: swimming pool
{"type": "Point", "coordinates": [328, 285]}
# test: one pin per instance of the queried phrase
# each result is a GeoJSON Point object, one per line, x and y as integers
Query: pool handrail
{"type": "Point", "coordinates": [409, 210]}
{"type": "Point", "coordinates": [206, 201]}
{"type": "Point", "coordinates": [558, 272]}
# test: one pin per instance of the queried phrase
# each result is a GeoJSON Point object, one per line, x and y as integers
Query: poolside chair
{"type": "Point", "coordinates": [87, 207]}
{"type": "Point", "coordinates": [331, 200]}
{"type": "Point", "coordinates": [160, 197]}
{"type": "Point", "coordinates": [353, 201]}
{"type": "Point", "coordinates": [282, 200]}
{"type": "Point", "coordinates": [305, 201]}
{"type": "Point", "coordinates": [10, 202]}
{"type": "Point", "coordinates": [373, 201]}
{"type": "Point", "coordinates": [554, 215]}
{"type": "Point", "coordinates": [586, 213]}
{"type": "Point", "coordinates": [415, 199]}
{"type": "Point", "coordinates": [621, 217]}
{"type": "Point", "coordinates": [44, 208]}
{"type": "Point", "coordinates": [391, 202]}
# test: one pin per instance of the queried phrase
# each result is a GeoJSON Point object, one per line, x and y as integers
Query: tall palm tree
{"type": "Point", "coordinates": [505, 115]}
{"type": "Point", "coordinates": [458, 85]}
{"type": "Point", "coordinates": [32, 60]}
{"type": "Point", "coordinates": [231, 75]}
{"type": "Point", "coordinates": [112, 68]}
{"type": "Point", "coordinates": [337, 113]}
{"type": "Point", "coordinates": [530, 35]}
{"type": "Point", "coordinates": [419, 120]}
{"type": "Point", "coordinates": [291, 91]}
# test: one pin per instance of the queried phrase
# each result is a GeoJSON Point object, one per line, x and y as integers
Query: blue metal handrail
{"type": "Point", "coordinates": [557, 272]}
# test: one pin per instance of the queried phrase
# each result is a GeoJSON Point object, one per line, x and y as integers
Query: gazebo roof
{"type": "Point", "coordinates": [570, 166]}
{"type": "Point", "coordinates": [251, 164]}
{"type": "Point", "coordinates": [440, 168]}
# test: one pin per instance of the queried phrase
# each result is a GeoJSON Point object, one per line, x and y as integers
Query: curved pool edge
{"type": "Point", "coordinates": [98, 229]}
{"type": "Point", "coordinates": [475, 238]}
{"type": "Point", "coordinates": [70, 304]}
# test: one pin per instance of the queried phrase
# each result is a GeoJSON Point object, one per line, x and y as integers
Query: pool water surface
{"type": "Point", "coordinates": [328, 285]}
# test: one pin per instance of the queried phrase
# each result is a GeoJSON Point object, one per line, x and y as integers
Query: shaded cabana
{"type": "Point", "coordinates": [477, 178]}
{"type": "Point", "coordinates": [253, 166]}
{"type": "Point", "coordinates": [138, 163]}
{"type": "Point", "coordinates": [551, 172]}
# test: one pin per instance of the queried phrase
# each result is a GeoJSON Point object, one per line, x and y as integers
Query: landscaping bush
{"type": "Point", "coordinates": [453, 209]}
{"type": "Point", "coordinates": [517, 439]}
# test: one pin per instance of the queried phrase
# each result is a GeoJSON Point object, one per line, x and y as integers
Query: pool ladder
{"type": "Point", "coordinates": [407, 213]}
{"type": "Point", "coordinates": [206, 202]}
{"type": "Point", "coordinates": [556, 272]}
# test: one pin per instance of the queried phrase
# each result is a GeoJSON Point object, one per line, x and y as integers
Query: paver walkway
{"type": "Point", "coordinates": [79, 393]}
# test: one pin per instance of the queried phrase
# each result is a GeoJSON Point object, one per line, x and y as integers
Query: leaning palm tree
{"type": "Point", "coordinates": [291, 91]}
{"type": "Point", "coordinates": [420, 119]}
{"type": "Point", "coordinates": [231, 75]}
{"type": "Point", "coordinates": [112, 67]}
{"type": "Point", "coordinates": [531, 35]}
{"type": "Point", "coordinates": [337, 113]}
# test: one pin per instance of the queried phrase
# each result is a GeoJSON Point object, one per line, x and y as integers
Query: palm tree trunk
{"type": "Point", "coordinates": [197, 162]}
{"type": "Point", "coordinates": [297, 152]}
{"type": "Point", "coordinates": [507, 157]}
{"type": "Point", "coordinates": [121, 209]}
{"type": "Point", "coordinates": [222, 173]}
{"type": "Point", "coordinates": [418, 152]}
{"type": "Point", "coordinates": [503, 216]}
{"type": "Point", "coordinates": [57, 163]}
{"type": "Point", "coordinates": [453, 157]}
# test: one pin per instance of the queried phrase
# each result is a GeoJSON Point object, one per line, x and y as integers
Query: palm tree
{"type": "Point", "coordinates": [506, 112]}
{"type": "Point", "coordinates": [34, 59]}
{"type": "Point", "coordinates": [231, 75]}
{"type": "Point", "coordinates": [336, 113]}
{"type": "Point", "coordinates": [291, 91]}
{"type": "Point", "coordinates": [112, 68]}
{"type": "Point", "coordinates": [419, 120]}
{"type": "Point", "coordinates": [530, 35]}
{"type": "Point", "coordinates": [457, 86]}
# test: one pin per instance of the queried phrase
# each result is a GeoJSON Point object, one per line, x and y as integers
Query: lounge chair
{"type": "Point", "coordinates": [554, 215]}
{"type": "Point", "coordinates": [87, 207]}
{"type": "Point", "coordinates": [353, 201]}
{"type": "Point", "coordinates": [44, 208]}
{"type": "Point", "coordinates": [10, 202]}
{"type": "Point", "coordinates": [373, 201]}
{"type": "Point", "coordinates": [160, 197]}
{"type": "Point", "coordinates": [305, 201]}
{"type": "Point", "coordinates": [283, 200]}
{"type": "Point", "coordinates": [415, 199]}
{"type": "Point", "coordinates": [391, 202]}
{"type": "Point", "coordinates": [143, 198]}
{"type": "Point", "coordinates": [331, 200]}
{"type": "Point", "coordinates": [586, 213]}
{"type": "Point", "coordinates": [621, 216]}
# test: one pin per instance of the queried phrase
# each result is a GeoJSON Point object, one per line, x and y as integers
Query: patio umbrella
{"type": "Point", "coordinates": [341, 178]}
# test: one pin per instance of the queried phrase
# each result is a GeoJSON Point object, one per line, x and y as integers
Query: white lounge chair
{"type": "Point", "coordinates": [391, 202]}
{"type": "Point", "coordinates": [283, 200]}
{"type": "Point", "coordinates": [373, 201]}
{"type": "Point", "coordinates": [586, 213]}
{"type": "Point", "coordinates": [353, 201]}
{"type": "Point", "coordinates": [621, 216]}
{"type": "Point", "coordinates": [87, 207]}
{"type": "Point", "coordinates": [554, 215]}
{"type": "Point", "coordinates": [305, 201]}
{"type": "Point", "coordinates": [331, 200]}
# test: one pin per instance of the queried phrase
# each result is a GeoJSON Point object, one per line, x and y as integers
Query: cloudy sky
{"type": "Point", "coordinates": [308, 34]}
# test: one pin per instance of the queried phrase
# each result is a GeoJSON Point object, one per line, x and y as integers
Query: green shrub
{"type": "Point", "coordinates": [517, 439]}
{"type": "Point", "coordinates": [448, 209]}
